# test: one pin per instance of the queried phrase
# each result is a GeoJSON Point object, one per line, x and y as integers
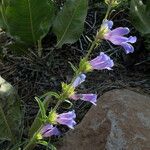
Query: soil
{"type": "Point", "coordinates": [33, 76]}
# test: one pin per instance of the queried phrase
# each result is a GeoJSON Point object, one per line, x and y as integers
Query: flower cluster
{"type": "Point", "coordinates": [101, 62]}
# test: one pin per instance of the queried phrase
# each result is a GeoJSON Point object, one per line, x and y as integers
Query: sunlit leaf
{"type": "Point", "coordinates": [42, 108]}
{"type": "Point", "coordinates": [10, 114]}
{"type": "Point", "coordinates": [37, 121]}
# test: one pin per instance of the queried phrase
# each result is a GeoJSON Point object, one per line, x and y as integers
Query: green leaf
{"type": "Point", "coordinates": [66, 104]}
{"type": "Point", "coordinates": [1, 18]}
{"type": "Point", "coordinates": [140, 16]}
{"type": "Point", "coordinates": [50, 94]}
{"type": "Point", "coordinates": [37, 122]}
{"type": "Point", "coordinates": [29, 20]}
{"type": "Point", "coordinates": [69, 23]}
{"type": "Point", "coordinates": [42, 108]}
{"type": "Point", "coordinates": [10, 114]}
{"type": "Point", "coordinates": [3, 6]}
{"type": "Point", "coordinates": [73, 67]}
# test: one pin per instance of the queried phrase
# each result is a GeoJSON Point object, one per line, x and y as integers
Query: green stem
{"type": "Point", "coordinates": [91, 49]}
{"type": "Point", "coordinates": [33, 141]}
{"type": "Point", "coordinates": [30, 145]}
{"type": "Point", "coordinates": [61, 98]}
{"type": "Point", "coordinates": [108, 11]}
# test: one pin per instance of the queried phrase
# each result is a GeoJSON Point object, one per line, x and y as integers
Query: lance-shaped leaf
{"type": "Point", "coordinates": [1, 18]}
{"type": "Point", "coordinates": [29, 20]}
{"type": "Point", "coordinates": [140, 15]}
{"type": "Point", "coordinates": [10, 114]}
{"type": "Point", "coordinates": [68, 25]}
{"type": "Point", "coordinates": [3, 6]}
{"type": "Point", "coordinates": [37, 121]}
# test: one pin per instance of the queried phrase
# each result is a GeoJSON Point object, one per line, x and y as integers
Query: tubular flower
{"type": "Point", "coordinates": [64, 118]}
{"type": "Point", "coordinates": [47, 131]}
{"type": "Point", "coordinates": [67, 119]}
{"type": "Point", "coordinates": [81, 78]}
{"type": "Point", "coordinates": [116, 36]}
{"type": "Point", "coordinates": [102, 62]}
{"type": "Point", "coordinates": [92, 98]}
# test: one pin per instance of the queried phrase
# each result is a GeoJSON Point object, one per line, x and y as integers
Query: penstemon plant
{"type": "Point", "coordinates": [47, 127]}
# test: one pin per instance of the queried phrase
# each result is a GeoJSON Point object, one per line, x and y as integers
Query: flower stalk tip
{"type": "Point", "coordinates": [116, 36]}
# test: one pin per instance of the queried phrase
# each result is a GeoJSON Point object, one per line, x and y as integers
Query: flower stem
{"type": "Point", "coordinates": [33, 140]}
{"type": "Point", "coordinates": [61, 99]}
{"type": "Point", "coordinates": [91, 49]}
{"type": "Point", "coordinates": [108, 11]}
{"type": "Point", "coordinates": [30, 145]}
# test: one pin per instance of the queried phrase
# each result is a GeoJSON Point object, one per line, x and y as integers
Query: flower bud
{"type": "Point", "coordinates": [113, 3]}
{"type": "Point", "coordinates": [79, 79]}
{"type": "Point", "coordinates": [47, 130]}
{"type": "Point", "coordinates": [67, 90]}
{"type": "Point", "coordinates": [104, 29]}
{"type": "Point", "coordinates": [52, 118]}
{"type": "Point", "coordinates": [85, 66]}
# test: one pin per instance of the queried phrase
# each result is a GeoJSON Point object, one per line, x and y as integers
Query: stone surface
{"type": "Point", "coordinates": [120, 121]}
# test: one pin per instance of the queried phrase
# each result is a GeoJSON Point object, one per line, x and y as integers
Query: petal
{"type": "Point", "coordinates": [128, 48]}
{"type": "Point", "coordinates": [117, 40]}
{"type": "Point", "coordinates": [132, 39]}
{"type": "Point", "coordinates": [53, 131]}
{"type": "Point", "coordinates": [87, 97]}
{"type": "Point", "coordinates": [46, 128]}
{"type": "Point", "coordinates": [68, 122]}
{"type": "Point", "coordinates": [99, 59]}
{"type": "Point", "coordinates": [120, 31]}
{"type": "Point", "coordinates": [81, 78]}
{"type": "Point", "coordinates": [107, 23]}
{"type": "Point", "coordinates": [75, 97]}
{"type": "Point", "coordinates": [67, 119]}
{"type": "Point", "coordinates": [90, 98]}
{"type": "Point", "coordinates": [70, 114]}
{"type": "Point", "coordinates": [102, 62]}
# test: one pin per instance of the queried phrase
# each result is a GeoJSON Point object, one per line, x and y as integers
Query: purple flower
{"type": "Point", "coordinates": [47, 131]}
{"type": "Point", "coordinates": [102, 62]}
{"type": "Point", "coordinates": [79, 80]}
{"type": "Point", "coordinates": [67, 119]}
{"type": "Point", "coordinates": [85, 97]}
{"type": "Point", "coordinates": [116, 36]}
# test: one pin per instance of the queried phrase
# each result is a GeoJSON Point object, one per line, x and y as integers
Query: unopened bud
{"type": "Point", "coordinates": [113, 3]}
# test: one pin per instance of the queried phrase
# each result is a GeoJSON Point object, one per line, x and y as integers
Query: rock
{"type": "Point", "coordinates": [120, 121]}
